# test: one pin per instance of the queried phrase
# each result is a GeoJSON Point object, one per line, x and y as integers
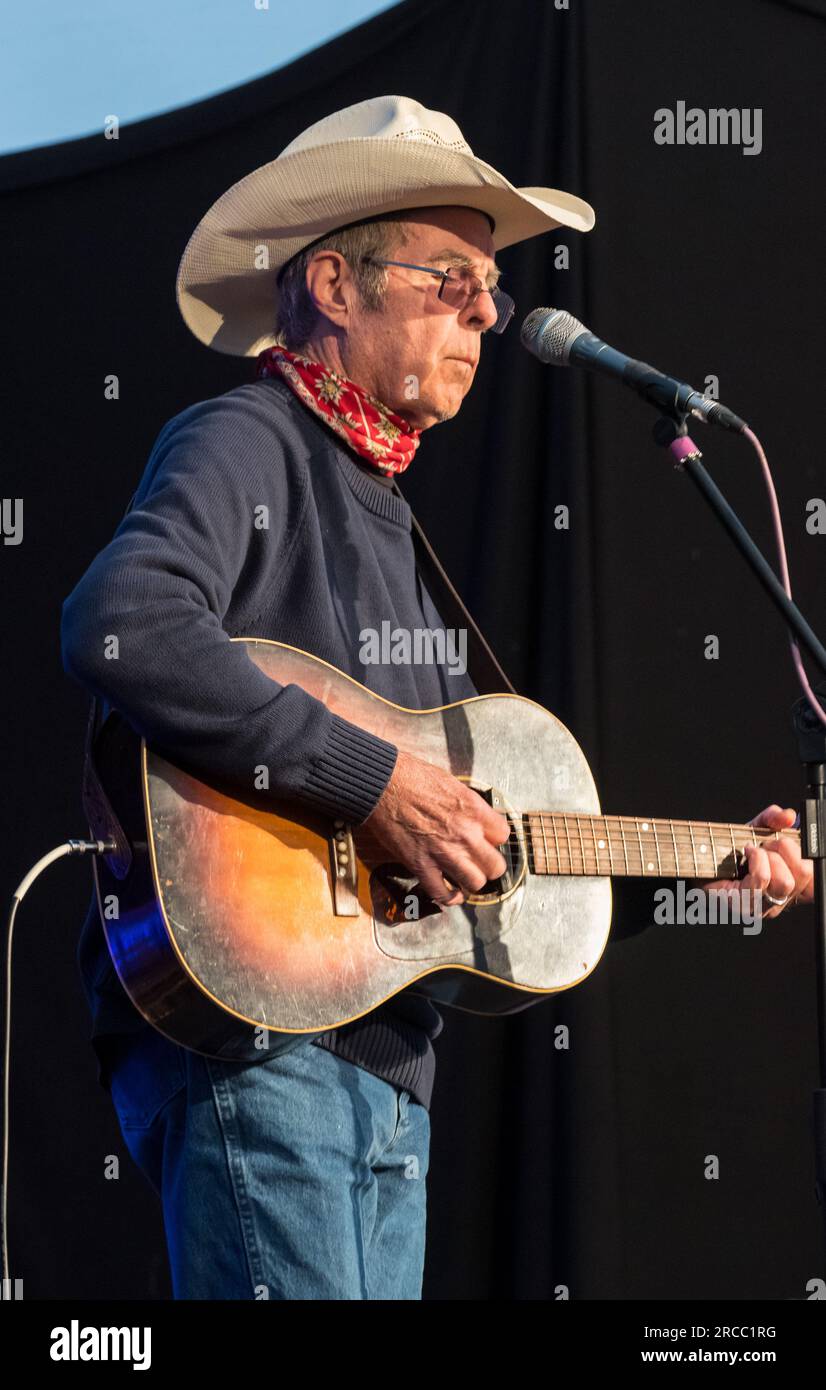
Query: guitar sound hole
{"type": "Point", "coordinates": [511, 851]}
{"type": "Point", "coordinates": [398, 897]}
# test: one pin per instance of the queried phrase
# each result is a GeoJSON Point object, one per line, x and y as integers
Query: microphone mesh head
{"type": "Point", "coordinates": [549, 335]}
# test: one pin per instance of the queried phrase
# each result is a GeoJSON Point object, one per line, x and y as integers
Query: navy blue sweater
{"type": "Point", "coordinates": [253, 519]}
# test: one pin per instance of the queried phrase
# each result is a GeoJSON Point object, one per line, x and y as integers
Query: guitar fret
{"type": "Point", "coordinates": [624, 846]}
{"type": "Point", "coordinates": [568, 838]}
{"type": "Point", "coordinates": [676, 855]}
{"type": "Point", "coordinates": [693, 847]}
{"type": "Point", "coordinates": [607, 834]}
{"type": "Point", "coordinates": [594, 835]}
{"type": "Point", "coordinates": [556, 841]}
{"type": "Point", "coordinates": [642, 856]}
{"type": "Point", "coordinates": [581, 842]}
{"type": "Point", "coordinates": [657, 847]}
{"type": "Point", "coordinates": [545, 843]}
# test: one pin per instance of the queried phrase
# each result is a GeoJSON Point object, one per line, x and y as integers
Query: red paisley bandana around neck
{"type": "Point", "coordinates": [377, 433]}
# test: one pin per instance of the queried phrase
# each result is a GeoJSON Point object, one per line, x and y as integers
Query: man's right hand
{"type": "Point", "coordinates": [439, 828]}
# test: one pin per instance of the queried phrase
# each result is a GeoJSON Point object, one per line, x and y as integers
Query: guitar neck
{"type": "Point", "coordinates": [562, 842]}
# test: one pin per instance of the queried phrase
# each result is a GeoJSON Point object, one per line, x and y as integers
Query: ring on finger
{"type": "Point", "coordinates": [776, 902]}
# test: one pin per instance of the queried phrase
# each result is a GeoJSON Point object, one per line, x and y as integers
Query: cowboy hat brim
{"type": "Point", "coordinates": [226, 284]}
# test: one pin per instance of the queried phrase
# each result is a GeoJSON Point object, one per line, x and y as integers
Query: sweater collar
{"type": "Point", "coordinates": [373, 494]}
{"type": "Point", "coordinates": [369, 491]}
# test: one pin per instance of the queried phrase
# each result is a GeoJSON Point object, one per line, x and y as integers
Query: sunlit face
{"type": "Point", "coordinates": [410, 354]}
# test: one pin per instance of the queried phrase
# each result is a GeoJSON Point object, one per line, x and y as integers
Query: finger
{"type": "Point", "coordinates": [471, 865]}
{"type": "Point", "coordinates": [469, 850]}
{"type": "Point", "coordinates": [494, 864]}
{"type": "Point", "coordinates": [469, 876]}
{"type": "Point", "coordinates": [460, 869]}
{"type": "Point", "coordinates": [782, 882]}
{"type": "Point", "coordinates": [753, 883]}
{"type": "Point", "coordinates": [768, 874]}
{"type": "Point", "coordinates": [775, 817]}
{"type": "Point", "coordinates": [802, 870]}
{"type": "Point", "coordinates": [789, 852]}
{"type": "Point", "coordinates": [495, 826]}
{"type": "Point", "coordinates": [759, 871]}
{"type": "Point", "coordinates": [438, 890]}
{"type": "Point", "coordinates": [486, 857]}
{"type": "Point", "coordinates": [787, 867]}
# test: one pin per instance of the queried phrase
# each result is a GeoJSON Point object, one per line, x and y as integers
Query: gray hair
{"type": "Point", "coordinates": [380, 236]}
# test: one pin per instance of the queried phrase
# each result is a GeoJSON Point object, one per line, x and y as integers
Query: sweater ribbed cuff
{"type": "Point", "coordinates": [347, 780]}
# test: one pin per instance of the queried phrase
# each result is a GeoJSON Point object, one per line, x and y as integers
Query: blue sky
{"type": "Point", "coordinates": [67, 64]}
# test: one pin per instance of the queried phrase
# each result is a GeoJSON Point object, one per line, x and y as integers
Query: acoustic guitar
{"type": "Point", "coordinates": [222, 918]}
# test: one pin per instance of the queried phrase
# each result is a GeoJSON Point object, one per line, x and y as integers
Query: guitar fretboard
{"type": "Point", "coordinates": [563, 842]}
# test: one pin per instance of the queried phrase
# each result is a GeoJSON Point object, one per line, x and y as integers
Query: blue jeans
{"type": "Point", "coordinates": [299, 1177]}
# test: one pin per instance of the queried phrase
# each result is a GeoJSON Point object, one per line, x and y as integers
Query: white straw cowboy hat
{"type": "Point", "coordinates": [381, 155]}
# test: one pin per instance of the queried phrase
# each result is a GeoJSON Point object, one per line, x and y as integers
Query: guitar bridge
{"type": "Point", "coordinates": [344, 871]}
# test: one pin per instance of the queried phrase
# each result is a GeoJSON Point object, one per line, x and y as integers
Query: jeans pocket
{"type": "Point", "coordinates": [146, 1071]}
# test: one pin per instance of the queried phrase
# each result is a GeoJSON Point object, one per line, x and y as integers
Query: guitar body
{"type": "Point", "coordinates": [230, 918]}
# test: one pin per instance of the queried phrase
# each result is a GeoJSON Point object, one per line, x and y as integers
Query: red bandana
{"type": "Point", "coordinates": [383, 438]}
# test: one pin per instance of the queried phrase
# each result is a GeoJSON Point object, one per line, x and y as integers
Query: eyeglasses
{"type": "Point", "coordinates": [460, 288]}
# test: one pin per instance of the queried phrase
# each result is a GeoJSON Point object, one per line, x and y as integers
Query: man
{"type": "Point", "coordinates": [369, 244]}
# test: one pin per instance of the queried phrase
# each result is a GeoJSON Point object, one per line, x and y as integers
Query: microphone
{"type": "Point", "coordinates": [560, 340]}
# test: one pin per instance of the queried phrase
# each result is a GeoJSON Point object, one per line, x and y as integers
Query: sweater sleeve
{"type": "Point", "coordinates": [143, 627]}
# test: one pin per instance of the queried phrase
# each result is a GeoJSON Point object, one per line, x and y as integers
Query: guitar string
{"type": "Point", "coordinates": [587, 861]}
{"type": "Point", "coordinates": [590, 860]}
{"type": "Point", "coordinates": [569, 861]}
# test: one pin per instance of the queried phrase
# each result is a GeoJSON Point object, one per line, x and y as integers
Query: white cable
{"type": "Point", "coordinates": [60, 852]}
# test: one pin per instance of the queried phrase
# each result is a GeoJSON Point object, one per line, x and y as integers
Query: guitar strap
{"type": "Point", "coordinates": [485, 672]}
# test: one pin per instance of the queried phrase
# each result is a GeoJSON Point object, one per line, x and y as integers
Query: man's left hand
{"type": "Point", "coordinates": [774, 866]}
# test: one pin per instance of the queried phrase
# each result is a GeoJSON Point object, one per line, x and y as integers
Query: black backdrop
{"type": "Point", "coordinates": [581, 1167]}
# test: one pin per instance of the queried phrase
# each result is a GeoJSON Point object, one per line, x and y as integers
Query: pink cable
{"type": "Point", "coordinates": [683, 447]}
{"type": "Point", "coordinates": [784, 569]}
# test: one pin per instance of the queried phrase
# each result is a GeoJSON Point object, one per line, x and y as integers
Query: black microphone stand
{"type": "Point", "coordinates": [671, 433]}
